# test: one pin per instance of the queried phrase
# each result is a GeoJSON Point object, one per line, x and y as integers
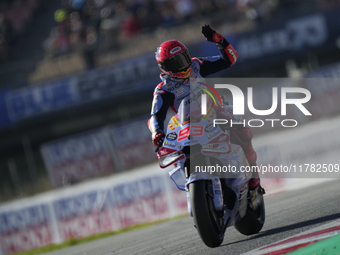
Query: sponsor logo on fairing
{"type": "Point", "coordinates": [214, 134]}
{"type": "Point", "coordinates": [208, 146]}
{"type": "Point", "coordinates": [171, 136]}
{"type": "Point", "coordinates": [175, 121]}
{"type": "Point", "coordinates": [170, 144]}
{"type": "Point", "coordinates": [209, 128]}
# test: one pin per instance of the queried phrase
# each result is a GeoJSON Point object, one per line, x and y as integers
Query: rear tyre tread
{"type": "Point", "coordinates": [253, 221]}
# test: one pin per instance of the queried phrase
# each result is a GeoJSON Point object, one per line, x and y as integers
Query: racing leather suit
{"type": "Point", "coordinates": [171, 92]}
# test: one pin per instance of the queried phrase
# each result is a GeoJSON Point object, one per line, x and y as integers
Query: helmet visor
{"type": "Point", "coordinates": [177, 63]}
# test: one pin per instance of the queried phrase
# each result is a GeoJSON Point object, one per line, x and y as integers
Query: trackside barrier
{"type": "Point", "coordinates": [98, 152]}
{"type": "Point", "coordinates": [147, 194]}
{"type": "Point", "coordinates": [100, 206]}
{"type": "Point", "coordinates": [298, 149]}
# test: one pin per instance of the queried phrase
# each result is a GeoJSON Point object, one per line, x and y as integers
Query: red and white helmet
{"type": "Point", "coordinates": [174, 59]}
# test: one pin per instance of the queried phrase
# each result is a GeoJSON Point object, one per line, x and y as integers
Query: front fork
{"type": "Point", "coordinates": [217, 193]}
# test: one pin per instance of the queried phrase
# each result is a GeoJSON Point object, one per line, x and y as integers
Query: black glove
{"type": "Point", "coordinates": [211, 35]}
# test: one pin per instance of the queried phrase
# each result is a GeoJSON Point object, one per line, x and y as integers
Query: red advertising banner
{"type": "Point", "coordinates": [76, 158]}
{"type": "Point", "coordinates": [132, 144]}
{"type": "Point", "coordinates": [25, 228]}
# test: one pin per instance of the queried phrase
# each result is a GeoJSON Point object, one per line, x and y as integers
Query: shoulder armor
{"type": "Point", "coordinates": [159, 89]}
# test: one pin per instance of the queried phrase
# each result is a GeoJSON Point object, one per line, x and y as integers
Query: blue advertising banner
{"type": "Point", "coordinates": [115, 207]}
{"type": "Point", "coordinates": [132, 144]}
{"type": "Point", "coordinates": [138, 74]}
{"type": "Point", "coordinates": [79, 157]}
{"type": "Point", "coordinates": [25, 228]}
{"type": "Point", "coordinates": [286, 38]}
{"type": "Point", "coordinates": [29, 101]}
{"type": "Point", "coordinates": [113, 81]}
{"type": "Point", "coordinates": [295, 35]}
{"type": "Point", "coordinates": [111, 204]}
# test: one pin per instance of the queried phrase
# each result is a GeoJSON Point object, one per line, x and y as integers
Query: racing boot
{"type": "Point", "coordinates": [242, 136]}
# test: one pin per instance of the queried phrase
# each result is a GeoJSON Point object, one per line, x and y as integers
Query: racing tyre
{"type": "Point", "coordinates": [208, 224]}
{"type": "Point", "coordinates": [253, 221]}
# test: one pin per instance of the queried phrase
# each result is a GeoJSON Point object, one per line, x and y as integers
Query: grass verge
{"type": "Point", "coordinates": [74, 241]}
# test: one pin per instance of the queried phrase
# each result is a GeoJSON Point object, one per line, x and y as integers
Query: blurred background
{"type": "Point", "coordinates": [77, 76]}
{"type": "Point", "coordinates": [76, 84]}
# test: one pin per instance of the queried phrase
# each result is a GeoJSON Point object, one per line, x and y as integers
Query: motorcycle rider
{"type": "Point", "coordinates": [179, 72]}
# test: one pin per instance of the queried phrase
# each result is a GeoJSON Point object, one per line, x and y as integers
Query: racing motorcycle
{"type": "Point", "coordinates": [216, 199]}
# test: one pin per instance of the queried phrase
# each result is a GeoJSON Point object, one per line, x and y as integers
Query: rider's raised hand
{"type": "Point", "coordinates": [211, 35]}
{"type": "Point", "coordinates": [158, 137]}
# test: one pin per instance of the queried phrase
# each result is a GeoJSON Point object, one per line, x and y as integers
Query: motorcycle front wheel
{"type": "Point", "coordinates": [208, 224]}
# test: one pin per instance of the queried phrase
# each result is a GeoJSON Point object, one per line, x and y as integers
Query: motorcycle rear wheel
{"type": "Point", "coordinates": [253, 221]}
{"type": "Point", "coordinates": [205, 215]}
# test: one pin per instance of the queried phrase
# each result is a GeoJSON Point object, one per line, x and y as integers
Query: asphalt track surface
{"type": "Point", "coordinates": [287, 214]}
